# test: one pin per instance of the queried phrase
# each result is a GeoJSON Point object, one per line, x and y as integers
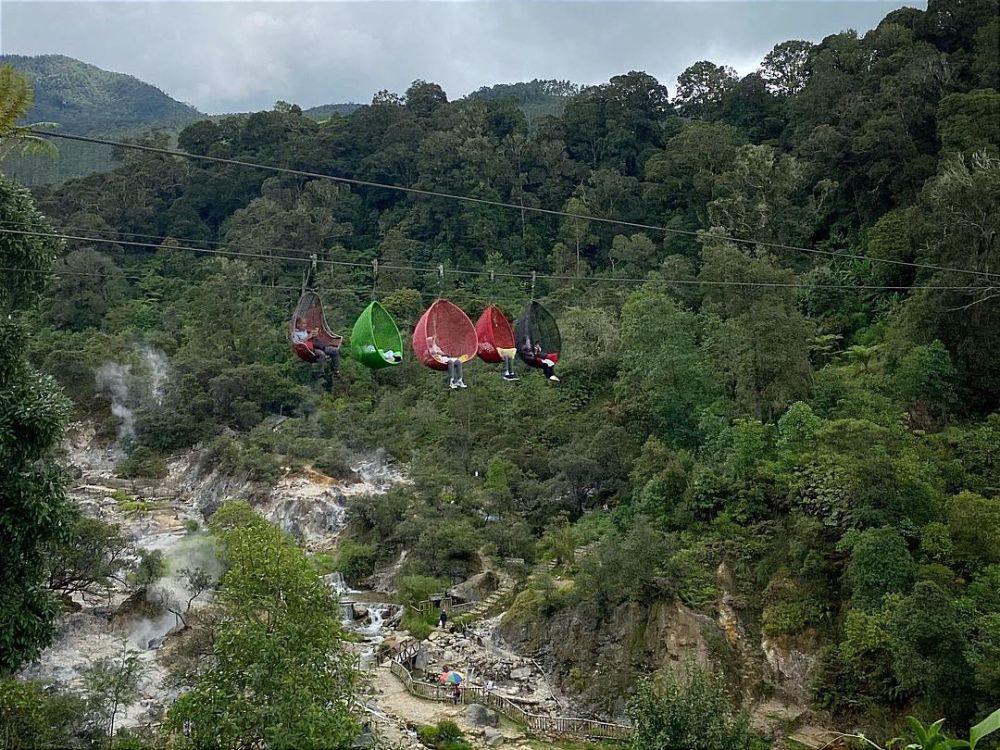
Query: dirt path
{"type": "Point", "coordinates": [392, 699]}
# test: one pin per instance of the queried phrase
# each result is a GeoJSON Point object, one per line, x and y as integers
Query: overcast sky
{"type": "Point", "coordinates": [240, 56]}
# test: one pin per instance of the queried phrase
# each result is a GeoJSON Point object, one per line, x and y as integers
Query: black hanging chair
{"type": "Point", "coordinates": [537, 336]}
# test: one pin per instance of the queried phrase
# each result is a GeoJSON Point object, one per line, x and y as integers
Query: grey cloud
{"type": "Point", "coordinates": [238, 56]}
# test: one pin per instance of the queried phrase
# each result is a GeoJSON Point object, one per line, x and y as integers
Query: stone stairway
{"type": "Point", "coordinates": [490, 603]}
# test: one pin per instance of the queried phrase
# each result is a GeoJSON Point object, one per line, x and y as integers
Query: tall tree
{"type": "Point", "coordinates": [280, 677]}
{"type": "Point", "coordinates": [785, 68]}
{"type": "Point", "coordinates": [33, 411]}
{"type": "Point", "coordinates": [702, 86]}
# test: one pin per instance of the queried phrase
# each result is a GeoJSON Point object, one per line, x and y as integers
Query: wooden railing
{"type": "Point", "coordinates": [549, 725]}
{"type": "Point", "coordinates": [429, 605]}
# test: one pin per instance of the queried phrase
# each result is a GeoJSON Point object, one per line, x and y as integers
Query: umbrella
{"type": "Point", "coordinates": [452, 678]}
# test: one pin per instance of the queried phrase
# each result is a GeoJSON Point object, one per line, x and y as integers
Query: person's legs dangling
{"type": "Point", "coordinates": [452, 377]}
{"type": "Point", "coordinates": [460, 372]}
{"type": "Point", "coordinates": [333, 353]}
{"type": "Point", "coordinates": [508, 368]}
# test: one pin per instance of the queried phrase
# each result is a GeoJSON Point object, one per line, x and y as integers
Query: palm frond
{"type": "Point", "coordinates": [15, 97]}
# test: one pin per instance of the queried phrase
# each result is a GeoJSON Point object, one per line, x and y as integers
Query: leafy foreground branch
{"type": "Point", "coordinates": [931, 737]}
{"type": "Point", "coordinates": [279, 677]}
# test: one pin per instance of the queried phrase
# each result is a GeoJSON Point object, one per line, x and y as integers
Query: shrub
{"type": "Point", "coordinates": [974, 523]}
{"type": "Point", "coordinates": [334, 462]}
{"type": "Point", "coordinates": [694, 713]}
{"type": "Point", "coordinates": [32, 717]}
{"type": "Point", "coordinates": [789, 607]}
{"type": "Point", "coordinates": [355, 560]}
{"type": "Point", "coordinates": [142, 463]}
{"type": "Point", "coordinates": [880, 564]}
{"type": "Point", "coordinates": [445, 736]}
{"type": "Point", "coordinates": [418, 624]}
{"type": "Point", "coordinates": [415, 589]}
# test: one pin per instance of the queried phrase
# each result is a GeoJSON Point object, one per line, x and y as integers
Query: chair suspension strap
{"type": "Point", "coordinates": [310, 274]}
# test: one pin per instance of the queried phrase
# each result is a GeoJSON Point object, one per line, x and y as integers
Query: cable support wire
{"type": "Point", "coordinates": [359, 290]}
{"type": "Point", "coordinates": [492, 273]}
{"type": "Point", "coordinates": [698, 234]}
{"type": "Point", "coordinates": [173, 238]}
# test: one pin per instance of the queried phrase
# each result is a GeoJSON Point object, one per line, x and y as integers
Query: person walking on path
{"type": "Point", "coordinates": [443, 619]}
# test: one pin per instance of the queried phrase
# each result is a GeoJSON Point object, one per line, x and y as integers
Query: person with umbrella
{"type": "Point", "coordinates": [455, 679]}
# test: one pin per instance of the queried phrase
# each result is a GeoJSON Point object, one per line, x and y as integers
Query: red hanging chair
{"type": "Point", "coordinates": [444, 332]}
{"type": "Point", "coordinates": [496, 336]}
{"type": "Point", "coordinates": [310, 312]}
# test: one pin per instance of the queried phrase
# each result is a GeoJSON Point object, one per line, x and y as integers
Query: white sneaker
{"type": "Point", "coordinates": [553, 378]}
{"type": "Point", "coordinates": [452, 384]}
{"type": "Point", "coordinates": [461, 384]}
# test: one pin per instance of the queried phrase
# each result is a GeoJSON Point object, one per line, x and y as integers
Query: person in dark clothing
{"type": "Point", "coordinates": [443, 619]}
{"type": "Point", "coordinates": [533, 352]}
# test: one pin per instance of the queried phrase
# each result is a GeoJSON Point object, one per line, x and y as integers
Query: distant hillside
{"type": "Point", "coordinates": [88, 100]}
{"type": "Point", "coordinates": [325, 111]}
{"type": "Point", "coordinates": [537, 98]}
{"type": "Point", "coordinates": [83, 98]}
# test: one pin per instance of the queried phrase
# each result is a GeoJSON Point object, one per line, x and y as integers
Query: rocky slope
{"type": "Point", "coordinates": [166, 516]}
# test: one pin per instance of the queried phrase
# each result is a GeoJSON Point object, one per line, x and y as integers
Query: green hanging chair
{"type": "Point", "coordinates": [375, 340]}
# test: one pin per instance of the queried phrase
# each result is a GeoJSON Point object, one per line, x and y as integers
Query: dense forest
{"type": "Point", "coordinates": [781, 341]}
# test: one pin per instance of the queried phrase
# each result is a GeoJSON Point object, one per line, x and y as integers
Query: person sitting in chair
{"type": "Point", "coordinates": [533, 352]}
{"type": "Point", "coordinates": [310, 340]}
{"type": "Point", "coordinates": [456, 377]}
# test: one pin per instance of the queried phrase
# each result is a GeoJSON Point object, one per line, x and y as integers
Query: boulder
{"type": "Point", "coordinates": [521, 673]}
{"type": "Point", "coordinates": [475, 588]}
{"type": "Point", "coordinates": [480, 716]}
{"type": "Point", "coordinates": [492, 737]}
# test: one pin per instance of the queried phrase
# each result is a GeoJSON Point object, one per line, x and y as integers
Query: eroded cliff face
{"type": "Point", "coordinates": [595, 658]}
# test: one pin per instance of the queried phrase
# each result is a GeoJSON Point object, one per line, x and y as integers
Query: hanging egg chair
{"type": "Point", "coordinates": [308, 316]}
{"type": "Point", "coordinates": [537, 336]}
{"type": "Point", "coordinates": [444, 332]}
{"type": "Point", "coordinates": [496, 337]}
{"type": "Point", "coordinates": [375, 339]}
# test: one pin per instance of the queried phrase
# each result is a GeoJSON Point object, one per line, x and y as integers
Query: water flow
{"type": "Point", "coordinates": [375, 617]}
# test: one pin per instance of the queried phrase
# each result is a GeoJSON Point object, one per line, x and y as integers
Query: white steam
{"type": "Point", "coordinates": [113, 380]}
{"type": "Point", "coordinates": [156, 365]}
{"type": "Point", "coordinates": [128, 388]}
{"type": "Point", "coordinates": [173, 591]}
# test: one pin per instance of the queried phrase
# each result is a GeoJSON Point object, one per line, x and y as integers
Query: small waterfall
{"type": "Point", "coordinates": [336, 582]}
{"type": "Point", "coordinates": [347, 611]}
{"type": "Point", "coordinates": [375, 615]}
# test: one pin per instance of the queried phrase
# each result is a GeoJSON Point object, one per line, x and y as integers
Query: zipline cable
{"type": "Point", "coordinates": [591, 279]}
{"type": "Point", "coordinates": [501, 204]}
{"type": "Point", "coordinates": [60, 226]}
